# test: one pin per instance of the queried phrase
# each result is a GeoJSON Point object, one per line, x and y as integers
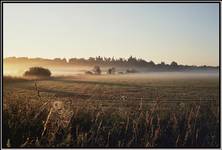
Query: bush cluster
{"type": "Point", "coordinates": [38, 72]}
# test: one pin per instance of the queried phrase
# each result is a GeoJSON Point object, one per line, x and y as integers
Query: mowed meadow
{"type": "Point", "coordinates": [129, 110]}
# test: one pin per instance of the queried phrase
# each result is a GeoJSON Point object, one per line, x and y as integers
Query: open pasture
{"type": "Point", "coordinates": [141, 110]}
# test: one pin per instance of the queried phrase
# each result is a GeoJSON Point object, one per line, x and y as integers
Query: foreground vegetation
{"type": "Point", "coordinates": [96, 113]}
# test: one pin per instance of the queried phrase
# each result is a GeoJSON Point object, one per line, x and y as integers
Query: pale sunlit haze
{"type": "Point", "coordinates": [185, 33]}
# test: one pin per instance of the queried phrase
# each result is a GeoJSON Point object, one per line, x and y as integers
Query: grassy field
{"type": "Point", "coordinates": [112, 111]}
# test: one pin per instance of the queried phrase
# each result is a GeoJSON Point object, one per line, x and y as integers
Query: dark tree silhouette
{"type": "Point", "coordinates": [174, 64]}
{"type": "Point", "coordinates": [111, 61]}
{"type": "Point", "coordinates": [97, 70]}
{"type": "Point", "coordinates": [38, 72]}
{"type": "Point", "coordinates": [111, 70]}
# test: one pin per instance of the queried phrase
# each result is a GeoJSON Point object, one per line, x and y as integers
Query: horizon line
{"type": "Point", "coordinates": [116, 58]}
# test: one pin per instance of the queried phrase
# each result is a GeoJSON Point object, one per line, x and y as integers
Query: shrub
{"type": "Point", "coordinates": [131, 71]}
{"type": "Point", "coordinates": [111, 70]}
{"type": "Point", "coordinates": [89, 73]}
{"type": "Point", "coordinates": [97, 70]}
{"type": "Point", "coordinates": [37, 72]}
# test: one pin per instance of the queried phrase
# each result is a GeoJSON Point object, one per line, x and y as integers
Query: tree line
{"type": "Point", "coordinates": [117, 62]}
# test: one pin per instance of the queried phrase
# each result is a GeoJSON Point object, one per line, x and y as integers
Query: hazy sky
{"type": "Point", "coordinates": [186, 33]}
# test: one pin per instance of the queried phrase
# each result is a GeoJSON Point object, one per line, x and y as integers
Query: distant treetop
{"type": "Point", "coordinates": [110, 61]}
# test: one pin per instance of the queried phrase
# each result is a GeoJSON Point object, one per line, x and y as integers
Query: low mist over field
{"type": "Point", "coordinates": [78, 70]}
{"type": "Point", "coordinates": [17, 70]}
{"type": "Point", "coordinates": [16, 66]}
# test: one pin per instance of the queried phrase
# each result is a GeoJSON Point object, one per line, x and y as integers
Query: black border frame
{"type": "Point", "coordinates": [107, 2]}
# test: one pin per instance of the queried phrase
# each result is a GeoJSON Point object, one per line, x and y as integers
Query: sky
{"type": "Point", "coordinates": [187, 33]}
